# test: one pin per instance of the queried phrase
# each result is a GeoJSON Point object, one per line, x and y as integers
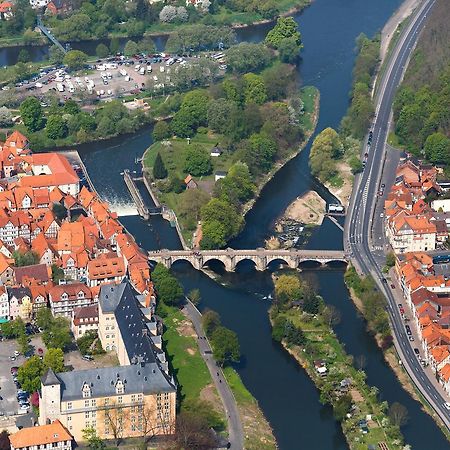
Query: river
{"type": "Point", "coordinates": [287, 396]}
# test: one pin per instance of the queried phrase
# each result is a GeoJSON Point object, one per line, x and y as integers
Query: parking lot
{"type": "Point", "coordinates": [109, 78]}
{"type": "Point", "coordinates": [8, 405]}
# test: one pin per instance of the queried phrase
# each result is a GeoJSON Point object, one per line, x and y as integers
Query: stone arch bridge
{"type": "Point", "coordinates": [260, 256]}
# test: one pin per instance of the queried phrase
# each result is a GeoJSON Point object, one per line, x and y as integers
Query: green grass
{"type": "Point", "coordinates": [187, 364]}
{"type": "Point", "coordinates": [336, 181]}
{"type": "Point", "coordinates": [240, 392]}
{"type": "Point", "coordinates": [308, 94]}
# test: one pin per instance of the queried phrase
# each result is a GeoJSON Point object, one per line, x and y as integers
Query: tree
{"type": "Point", "coordinates": [115, 419]}
{"type": "Point", "coordinates": [57, 274]}
{"type": "Point", "coordinates": [102, 51]}
{"type": "Point", "coordinates": [54, 359]}
{"type": "Point", "coordinates": [285, 28]}
{"type": "Point", "coordinates": [71, 107]}
{"type": "Point", "coordinates": [5, 443]}
{"type": "Point", "coordinates": [287, 288]}
{"type": "Point", "coordinates": [192, 432]}
{"type": "Point", "coordinates": [326, 148]}
{"type": "Point", "coordinates": [28, 258]}
{"type": "Point", "coordinates": [161, 131]}
{"type": "Point", "coordinates": [56, 127]}
{"type": "Point", "coordinates": [29, 374]}
{"type": "Point", "coordinates": [390, 259]}
{"type": "Point", "coordinates": [56, 55]}
{"type": "Point", "coordinates": [258, 152]}
{"type": "Point", "coordinates": [248, 57]}
{"type": "Point", "coordinates": [24, 56]}
{"type": "Point", "coordinates": [146, 45]}
{"type": "Point", "coordinates": [31, 114]}
{"type": "Point", "coordinates": [289, 50]}
{"type": "Point", "coordinates": [437, 148]}
{"type": "Point", "coordinates": [6, 117]}
{"type": "Point", "coordinates": [342, 406]}
{"type": "Point", "coordinates": [210, 322]}
{"type": "Point", "coordinates": [225, 345]}
{"type": "Point", "coordinates": [13, 328]}
{"type": "Point", "coordinates": [131, 48]}
{"type": "Point", "coordinates": [398, 414]}
{"type": "Point", "coordinates": [219, 112]}
{"type": "Point", "coordinates": [237, 186]}
{"type": "Point", "coordinates": [44, 318]}
{"type": "Point", "coordinates": [312, 303]}
{"type": "Point", "coordinates": [331, 315]}
{"type": "Point", "coordinates": [191, 202]}
{"type": "Point", "coordinates": [114, 45]}
{"type": "Point", "coordinates": [194, 296]}
{"type": "Point", "coordinates": [57, 334]}
{"type": "Point", "coordinates": [168, 13]}
{"type": "Point", "coordinates": [220, 222]}
{"type": "Point", "coordinates": [167, 286]}
{"type": "Point", "coordinates": [159, 169]}
{"type": "Point", "coordinates": [23, 342]}
{"type": "Point", "coordinates": [205, 410]}
{"type": "Point", "coordinates": [75, 59]}
{"type": "Point", "coordinates": [85, 342]}
{"type": "Point", "coordinates": [91, 437]}
{"type": "Point", "coordinates": [197, 161]}
{"type": "Point", "coordinates": [254, 89]}
{"type": "Point", "coordinates": [59, 210]}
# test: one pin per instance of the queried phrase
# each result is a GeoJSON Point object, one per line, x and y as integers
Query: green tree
{"type": "Point", "coordinates": [114, 45]}
{"type": "Point", "coordinates": [190, 203]}
{"type": "Point", "coordinates": [341, 407]}
{"type": "Point", "coordinates": [25, 259]}
{"type": "Point", "coordinates": [13, 328]}
{"type": "Point", "coordinates": [390, 259]}
{"type": "Point", "coordinates": [31, 114]}
{"type": "Point", "coordinates": [23, 342]}
{"type": "Point", "coordinates": [237, 186]}
{"type": "Point", "coordinates": [285, 28]}
{"type": "Point", "coordinates": [219, 112]}
{"type": "Point", "coordinates": [197, 161]}
{"type": "Point", "coordinates": [289, 50]}
{"type": "Point", "coordinates": [44, 318]}
{"type": "Point", "coordinates": [258, 153]}
{"type": "Point", "coordinates": [29, 374]}
{"type": "Point", "coordinates": [287, 288]}
{"type": "Point", "coordinates": [93, 440]}
{"type": "Point", "coordinates": [57, 274]}
{"type": "Point", "coordinates": [326, 148]}
{"type": "Point", "coordinates": [56, 127]}
{"type": "Point", "coordinates": [161, 131]}
{"type": "Point", "coordinates": [398, 414]}
{"type": "Point", "coordinates": [54, 359]}
{"type": "Point", "coordinates": [71, 107]}
{"type": "Point", "coordinates": [57, 334]}
{"type": "Point", "coordinates": [167, 286]}
{"type": "Point", "coordinates": [437, 148]}
{"type": "Point", "coordinates": [56, 55]}
{"type": "Point", "coordinates": [248, 57]}
{"type": "Point", "coordinates": [85, 342]}
{"type": "Point", "coordinates": [254, 89]}
{"type": "Point", "coordinates": [75, 59]}
{"type": "Point", "coordinates": [146, 45]}
{"type": "Point", "coordinates": [102, 51]}
{"type": "Point", "coordinates": [131, 48]}
{"type": "Point", "coordinates": [312, 303]}
{"type": "Point", "coordinates": [220, 222]}
{"type": "Point", "coordinates": [225, 345]}
{"type": "Point", "coordinates": [24, 56]}
{"type": "Point", "coordinates": [210, 322]}
{"type": "Point", "coordinates": [159, 169]}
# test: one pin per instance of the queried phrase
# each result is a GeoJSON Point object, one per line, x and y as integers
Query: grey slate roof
{"type": "Point", "coordinates": [18, 292]}
{"type": "Point", "coordinates": [145, 377]}
{"type": "Point", "coordinates": [49, 378]}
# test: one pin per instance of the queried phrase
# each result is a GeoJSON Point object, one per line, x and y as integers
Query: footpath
{"type": "Point", "coordinates": [235, 429]}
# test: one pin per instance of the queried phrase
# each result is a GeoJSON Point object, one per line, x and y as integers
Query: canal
{"type": "Point", "coordinates": [284, 392]}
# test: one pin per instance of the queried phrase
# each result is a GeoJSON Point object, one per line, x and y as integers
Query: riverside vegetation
{"type": "Point", "coordinates": [303, 324]}
{"type": "Point", "coordinates": [254, 120]}
{"type": "Point", "coordinates": [421, 107]}
{"type": "Point", "coordinates": [198, 401]}
{"type": "Point", "coordinates": [109, 18]}
{"type": "Point", "coordinates": [335, 157]}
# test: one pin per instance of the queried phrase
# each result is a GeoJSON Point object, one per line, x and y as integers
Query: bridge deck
{"type": "Point", "coordinates": [257, 252]}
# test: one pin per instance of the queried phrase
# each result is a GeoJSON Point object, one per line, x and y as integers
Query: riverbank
{"type": "Point", "coordinates": [313, 344]}
{"type": "Point", "coordinates": [390, 355]}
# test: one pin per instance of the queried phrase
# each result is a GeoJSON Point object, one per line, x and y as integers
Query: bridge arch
{"type": "Point", "coordinates": [271, 262]}
{"type": "Point", "coordinates": [223, 262]}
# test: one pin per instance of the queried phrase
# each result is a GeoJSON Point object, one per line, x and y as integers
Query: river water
{"type": "Point", "coordinates": [287, 396]}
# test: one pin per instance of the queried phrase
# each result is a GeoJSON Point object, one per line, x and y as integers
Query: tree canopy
{"type": "Point", "coordinates": [31, 114]}
{"type": "Point", "coordinates": [197, 161]}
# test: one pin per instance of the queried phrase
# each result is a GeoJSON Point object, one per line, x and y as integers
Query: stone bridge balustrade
{"type": "Point", "coordinates": [260, 256]}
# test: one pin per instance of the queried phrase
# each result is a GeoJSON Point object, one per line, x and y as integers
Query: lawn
{"type": "Point", "coordinates": [187, 364]}
{"type": "Point", "coordinates": [308, 94]}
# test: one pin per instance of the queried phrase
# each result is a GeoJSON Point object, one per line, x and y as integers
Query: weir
{"type": "Point", "coordinates": [137, 198]}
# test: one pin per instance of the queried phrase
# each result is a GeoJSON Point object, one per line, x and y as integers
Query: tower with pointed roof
{"type": "Point", "coordinates": [49, 398]}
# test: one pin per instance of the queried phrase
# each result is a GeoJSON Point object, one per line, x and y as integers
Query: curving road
{"type": "Point", "coordinates": [363, 228]}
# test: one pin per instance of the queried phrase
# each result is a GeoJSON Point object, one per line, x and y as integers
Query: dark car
{"type": "Point", "coordinates": [416, 351]}
{"type": "Point", "coordinates": [408, 330]}
{"type": "Point", "coordinates": [14, 370]}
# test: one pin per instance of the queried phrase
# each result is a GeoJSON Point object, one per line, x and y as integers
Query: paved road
{"type": "Point", "coordinates": [235, 430]}
{"type": "Point", "coordinates": [364, 228]}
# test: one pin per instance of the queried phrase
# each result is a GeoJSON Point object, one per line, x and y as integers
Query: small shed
{"type": "Point", "coordinates": [216, 151]}
{"type": "Point", "coordinates": [190, 182]}
{"type": "Point", "coordinates": [219, 175]}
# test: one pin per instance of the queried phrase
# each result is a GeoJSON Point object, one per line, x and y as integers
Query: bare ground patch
{"type": "Point", "coordinates": [309, 208]}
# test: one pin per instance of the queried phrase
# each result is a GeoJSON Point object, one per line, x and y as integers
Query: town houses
{"type": "Point", "coordinates": [417, 222]}
{"type": "Point", "coordinates": [62, 248]}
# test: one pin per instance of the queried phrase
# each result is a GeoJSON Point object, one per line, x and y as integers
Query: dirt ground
{"type": "Point", "coordinates": [405, 10]}
{"type": "Point", "coordinates": [309, 209]}
{"type": "Point", "coordinates": [343, 193]}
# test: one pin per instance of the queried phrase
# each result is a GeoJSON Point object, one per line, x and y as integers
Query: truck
{"type": "Point", "coordinates": [60, 87]}
{"type": "Point", "coordinates": [142, 71]}
{"type": "Point", "coordinates": [123, 72]}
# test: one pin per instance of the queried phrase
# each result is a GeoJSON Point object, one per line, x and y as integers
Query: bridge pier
{"type": "Point", "coordinates": [261, 263]}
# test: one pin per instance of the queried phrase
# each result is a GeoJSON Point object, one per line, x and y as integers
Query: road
{"type": "Point", "coordinates": [235, 430]}
{"type": "Point", "coordinates": [363, 237]}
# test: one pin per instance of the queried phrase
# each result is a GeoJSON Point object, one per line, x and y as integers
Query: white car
{"type": "Point", "coordinates": [16, 353]}
{"type": "Point", "coordinates": [447, 405]}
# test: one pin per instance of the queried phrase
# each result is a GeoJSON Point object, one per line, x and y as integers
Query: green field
{"type": "Point", "coordinates": [182, 351]}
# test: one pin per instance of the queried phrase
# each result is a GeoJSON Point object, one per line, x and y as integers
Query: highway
{"type": "Point", "coordinates": [363, 232]}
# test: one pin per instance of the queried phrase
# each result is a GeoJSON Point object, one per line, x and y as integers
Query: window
{"type": "Point", "coordinates": [86, 415]}
{"type": "Point", "coordinates": [133, 398]}
{"type": "Point", "coordinates": [93, 402]}
{"type": "Point", "coordinates": [69, 418]}
{"type": "Point", "coordinates": [120, 399]}
{"type": "Point", "coordinates": [86, 403]}
{"type": "Point", "coordinates": [106, 401]}
{"type": "Point", "coordinates": [69, 405]}
{"type": "Point", "coordinates": [140, 397]}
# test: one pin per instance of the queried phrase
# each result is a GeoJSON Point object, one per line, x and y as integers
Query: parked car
{"type": "Point", "coordinates": [87, 358]}
{"type": "Point", "coordinates": [14, 370]}
{"type": "Point", "coordinates": [416, 351]}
